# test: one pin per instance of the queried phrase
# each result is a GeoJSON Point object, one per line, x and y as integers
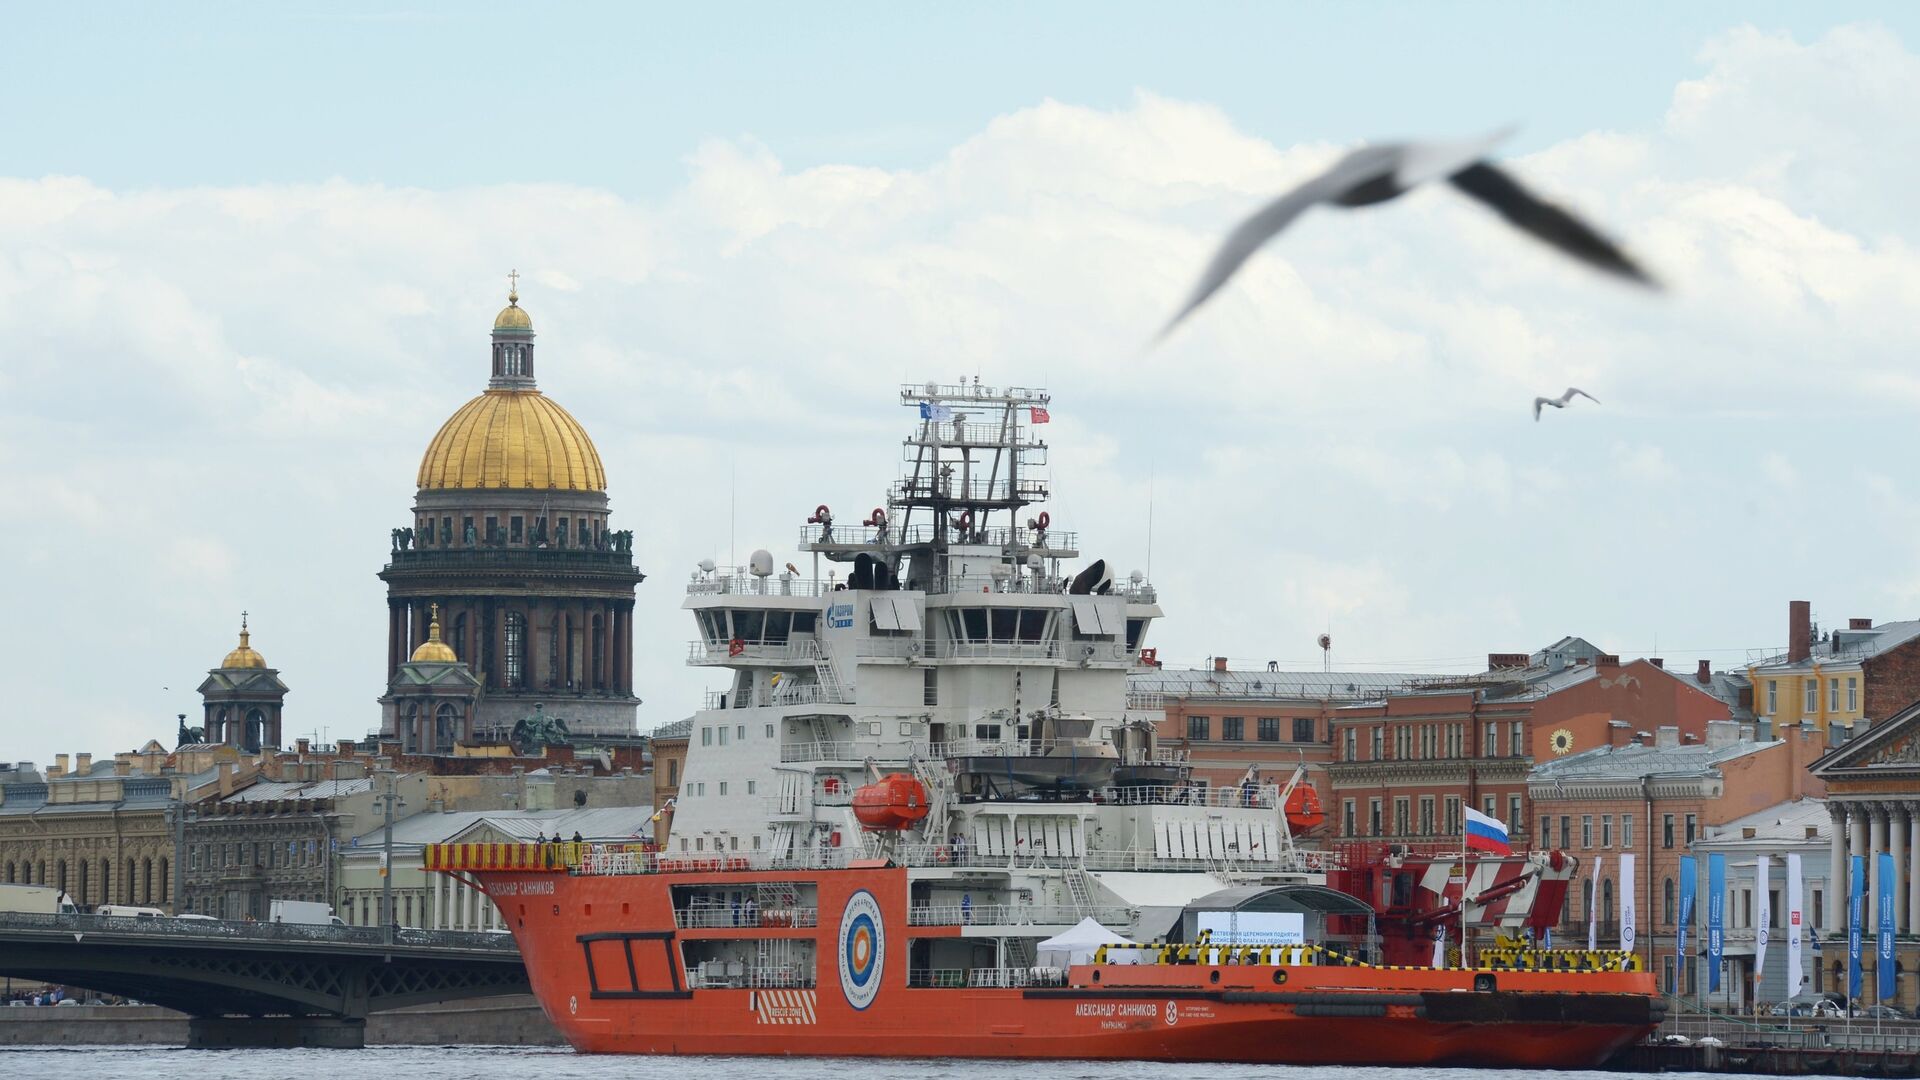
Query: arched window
{"type": "Point", "coordinates": [409, 730]}
{"type": "Point", "coordinates": [598, 651]}
{"type": "Point", "coordinates": [516, 658]}
{"type": "Point", "coordinates": [146, 880]}
{"type": "Point", "coordinates": [461, 647]}
{"type": "Point", "coordinates": [82, 897]}
{"type": "Point", "coordinates": [219, 732]}
{"type": "Point", "coordinates": [1666, 902]}
{"type": "Point", "coordinates": [446, 727]}
{"type": "Point", "coordinates": [106, 881]}
{"type": "Point", "coordinates": [61, 882]}
{"type": "Point", "coordinates": [129, 883]}
{"type": "Point", "coordinates": [165, 885]}
{"type": "Point", "coordinates": [256, 728]}
{"type": "Point", "coordinates": [1606, 901]}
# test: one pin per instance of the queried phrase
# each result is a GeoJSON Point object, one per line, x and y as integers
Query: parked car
{"type": "Point", "coordinates": [1880, 1012]}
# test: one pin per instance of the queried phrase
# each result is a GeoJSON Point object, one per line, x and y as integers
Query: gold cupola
{"type": "Point", "coordinates": [243, 655]}
{"type": "Point", "coordinates": [512, 436]}
{"type": "Point", "coordinates": [433, 650]}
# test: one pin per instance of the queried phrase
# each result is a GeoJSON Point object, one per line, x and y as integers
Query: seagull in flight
{"type": "Point", "coordinates": [1376, 174]}
{"type": "Point", "coordinates": [1561, 401]}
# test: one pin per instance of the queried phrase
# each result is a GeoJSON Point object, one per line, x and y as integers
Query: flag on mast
{"type": "Point", "coordinates": [1593, 904]}
{"type": "Point", "coordinates": [1488, 834]}
{"type": "Point", "coordinates": [1795, 928]}
{"type": "Point", "coordinates": [1762, 918]}
{"type": "Point", "coordinates": [1038, 414]}
{"type": "Point", "coordinates": [1626, 902]}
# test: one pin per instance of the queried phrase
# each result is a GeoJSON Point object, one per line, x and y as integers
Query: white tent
{"type": "Point", "coordinates": [1076, 946]}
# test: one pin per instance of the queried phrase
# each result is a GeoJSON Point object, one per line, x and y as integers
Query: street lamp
{"type": "Point", "coordinates": [178, 815]}
{"type": "Point", "coordinates": [388, 799]}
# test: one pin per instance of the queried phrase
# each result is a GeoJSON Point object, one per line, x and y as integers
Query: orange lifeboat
{"type": "Point", "coordinates": [895, 801]}
{"type": "Point", "coordinates": [1303, 809]}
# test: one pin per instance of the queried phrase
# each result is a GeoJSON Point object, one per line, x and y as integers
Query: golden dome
{"type": "Point", "coordinates": [243, 655]}
{"type": "Point", "coordinates": [512, 439]}
{"type": "Point", "coordinates": [433, 649]}
{"type": "Point", "coordinates": [513, 316]}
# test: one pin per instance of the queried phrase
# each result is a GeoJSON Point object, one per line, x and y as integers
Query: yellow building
{"type": "Point", "coordinates": [1835, 681]}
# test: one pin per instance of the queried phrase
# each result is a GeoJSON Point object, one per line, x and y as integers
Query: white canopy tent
{"type": "Point", "coordinates": [1077, 945]}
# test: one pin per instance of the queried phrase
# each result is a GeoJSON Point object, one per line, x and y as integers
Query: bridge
{"type": "Point", "coordinates": [260, 984]}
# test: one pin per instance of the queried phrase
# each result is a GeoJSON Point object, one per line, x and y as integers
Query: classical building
{"type": "Point", "coordinates": [669, 758]}
{"type": "Point", "coordinates": [1406, 764]}
{"type": "Point", "coordinates": [100, 831]}
{"type": "Point", "coordinates": [511, 538]}
{"type": "Point", "coordinates": [1873, 795]}
{"type": "Point", "coordinates": [241, 699]}
{"type": "Point", "coordinates": [1834, 681]}
{"type": "Point", "coordinates": [430, 703]}
{"type": "Point", "coordinates": [1798, 828]}
{"type": "Point", "coordinates": [1227, 722]}
{"type": "Point", "coordinates": [1658, 799]}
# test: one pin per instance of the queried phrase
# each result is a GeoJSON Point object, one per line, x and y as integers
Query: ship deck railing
{"type": "Point", "coordinates": [745, 917]}
{"type": "Point", "coordinates": [703, 651]}
{"type": "Point", "coordinates": [739, 581]}
{"type": "Point", "coordinates": [792, 692]}
{"type": "Point", "coordinates": [1014, 915]}
{"type": "Point", "coordinates": [1001, 978]}
{"type": "Point", "coordinates": [740, 977]}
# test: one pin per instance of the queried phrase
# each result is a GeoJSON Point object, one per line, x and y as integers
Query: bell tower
{"type": "Point", "coordinates": [242, 699]}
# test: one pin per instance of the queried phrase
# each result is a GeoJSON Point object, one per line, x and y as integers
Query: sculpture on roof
{"type": "Point", "coordinates": [537, 730]}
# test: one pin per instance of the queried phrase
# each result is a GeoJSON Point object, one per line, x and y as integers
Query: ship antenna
{"type": "Point", "coordinates": [1149, 525]}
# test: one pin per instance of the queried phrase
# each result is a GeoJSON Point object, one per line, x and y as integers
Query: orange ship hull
{"type": "Point", "coordinates": [606, 961]}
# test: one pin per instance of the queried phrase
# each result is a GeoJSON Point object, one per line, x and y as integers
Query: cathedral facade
{"type": "Point", "coordinates": [511, 539]}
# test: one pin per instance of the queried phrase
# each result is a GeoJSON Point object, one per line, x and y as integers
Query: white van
{"type": "Point", "coordinates": [128, 911]}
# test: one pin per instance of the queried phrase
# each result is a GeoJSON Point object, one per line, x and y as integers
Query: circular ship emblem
{"type": "Point", "coordinates": [863, 947]}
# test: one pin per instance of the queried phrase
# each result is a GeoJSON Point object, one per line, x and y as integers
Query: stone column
{"type": "Point", "coordinates": [1876, 842]}
{"type": "Point", "coordinates": [393, 638]}
{"type": "Point", "coordinates": [1897, 847]}
{"type": "Point", "coordinates": [1837, 869]}
{"type": "Point", "coordinates": [1911, 924]}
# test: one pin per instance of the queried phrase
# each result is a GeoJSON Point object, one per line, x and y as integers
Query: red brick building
{"type": "Point", "coordinates": [1405, 765]}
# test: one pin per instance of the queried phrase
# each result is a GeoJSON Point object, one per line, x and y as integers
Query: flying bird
{"type": "Point", "coordinates": [1561, 401]}
{"type": "Point", "coordinates": [1376, 174]}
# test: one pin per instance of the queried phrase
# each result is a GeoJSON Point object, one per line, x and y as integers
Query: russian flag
{"type": "Point", "coordinates": [1485, 833]}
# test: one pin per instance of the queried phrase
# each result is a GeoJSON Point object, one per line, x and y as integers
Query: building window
{"type": "Point", "coordinates": [1302, 729]}
{"type": "Point", "coordinates": [1626, 832]}
{"type": "Point", "coordinates": [1352, 745]}
{"type": "Point", "coordinates": [1666, 830]}
{"type": "Point", "coordinates": [1490, 744]}
{"type": "Point", "coordinates": [1517, 740]}
{"type": "Point", "coordinates": [1586, 830]}
{"type": "Point", "coordinates": [1350, 815]}
{"type": "Point", "coordinates": [1233, 728]}
{"type": "Point", "coordinates": [1666, 902]}
{"type": "Point", "coordinates": [516, 635]}
{"type": "Point", "coordinates": [1546, 831]}
{"type": "Point", "coordinates": [1813, 695]}
{"type": "Point", "coordinates": [1199, 729]}
{"type": "Point", "coordinates": [1773, 696]}
{"type": "Point", "coordinates": [673, 772]}
{"type": "Point", "coordinates": [1377, 740]}
{"type": "Point", "coordinates": [1373, 810]}
{"type": "Point", "coordinates": [1454, 825]}
{"type": "Point", "coordinates": [1692, 825]}
{"type": "Point", "coordinates": [1426, 815]}
{"type": "Point", "coordinates": [1513, 810]}
{"type": "Point", "coordinates": [1402, 814]}
{"type": "Point", "coordinates": [1853, 694]}
{"type": "Point", "coordinates": [1833, 695]}
{"type": "Point", "coordinates": [1606, 830]}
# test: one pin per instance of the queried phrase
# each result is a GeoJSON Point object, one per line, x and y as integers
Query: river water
{"type": "Point", "coordinates": [529, 1063]}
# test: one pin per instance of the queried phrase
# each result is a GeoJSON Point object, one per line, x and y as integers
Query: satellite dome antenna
{"type": "Point", "coordinates": [1326, 652]}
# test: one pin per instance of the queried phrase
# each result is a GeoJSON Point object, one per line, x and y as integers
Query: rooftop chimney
{"type": "Point", "coordinates": [83, 763]}
{"type": "Point", "coordinates": [59, 765]}
{"type": "Point", "coordinates": [1722, 733]}
{"type": "Point", "coordinates": [1813, 831]}
{"type": "Point", "coordinates": [1498, 660]}
{"type": "Point", "coordinates": [1608, 660]}
{"type": "Point", "coordinates": [1666, 738]}
{"type": "Point", "coordinates": [1703, 674]}
{"type": "Point", "coordinates": [123, 766]}
{"type": "Point", "coordinates": [300, 747]}
{"type": "Point", "coordinates": [224, 772]}
{"type": "Point", "coordinates": [1220, 665]}
{"type": "Point", "coordinates": [1859, 624]}
{"type": "Point", "coordinates": [1657, 662]}
{"type": "Point", "coordinates": [1799, 630]}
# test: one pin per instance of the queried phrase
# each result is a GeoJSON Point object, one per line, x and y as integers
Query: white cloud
{"type": "Point", "coordinates": [217, 396]}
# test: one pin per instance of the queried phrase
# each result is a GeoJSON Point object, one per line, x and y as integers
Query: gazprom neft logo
{"type": "Point", "coordinates": [863, 949]}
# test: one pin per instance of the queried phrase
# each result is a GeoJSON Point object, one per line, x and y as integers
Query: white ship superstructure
{"type": "Point", "coordinates": [947, 650]}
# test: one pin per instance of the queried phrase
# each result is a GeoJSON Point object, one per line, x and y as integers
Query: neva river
{"type": "Point", "coordinates": [522, 1063]}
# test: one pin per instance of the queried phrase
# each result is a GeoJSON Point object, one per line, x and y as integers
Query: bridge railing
{"type": "Point", "coordinates": [217, 930]}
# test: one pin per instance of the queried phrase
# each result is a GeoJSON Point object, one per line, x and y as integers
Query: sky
{"type": "Point", "coordinates": [249, 255]}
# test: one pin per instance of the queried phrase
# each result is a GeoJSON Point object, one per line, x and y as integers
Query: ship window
{"type": "Point", "coordinates": [1134, 629]}
{"type": "Point", "coordinates": [756, 842]}
{"type": "Point", "coordinates": [968, 624]}
{"type": "Point", "coordinates": [740, 732]}
{"type": "Point", "coordinates": [751, 786]}
{"type": "Point", "coordinates": [748, 625]}
{"type": "Point", "coordinates": [930, 687]}
{"type": "Point", "coordinates": [706, 736]}
{"type": "Point", "coordinates": [699, 843]}
{"type": "Point", "coordinates": [779, 624]}
{"type": "Point", "coordinates": [769, 731]}
{"type": "Point", "coordinates": [987, 732]}
{"type": "Point", "coordinates": [872, 727]}
{"type": "Point", "coordinates": [723, 789]}
{"type": "Point", "coordinates": [906, 727]}
{"type": "Point", "coordinates": [723, 735]}
{"type": "Point", "coordinates": [803, 621]}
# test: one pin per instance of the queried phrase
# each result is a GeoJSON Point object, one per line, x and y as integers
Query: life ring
{"type": "Point", "coordinates": [736, 647]}
{"type": "Point", "coordinates": [944, 855]}
{"type": "Point", "coordinates": [1045, 519]}
{"type": "Point", "coordinates": [1316, 861]}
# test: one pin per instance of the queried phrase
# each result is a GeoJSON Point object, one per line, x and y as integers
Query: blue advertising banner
{"type": "Point", "coordinates": [1689, 884]}
{"type": "Point", "coordinates": [1716, 917]}
{"type": "Point", "coordinates": [1883, 946]}
{"type": "Point", "coordinates": [1856, 900]}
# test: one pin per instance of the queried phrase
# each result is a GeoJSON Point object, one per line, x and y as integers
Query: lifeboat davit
{"type": "Point", "coordinates": [893, 802]}
{"type": "Point", "coordinates": [1303, 809]}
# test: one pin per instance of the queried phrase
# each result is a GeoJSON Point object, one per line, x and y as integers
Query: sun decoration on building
{"type": "Point", "coordinates": [1561, 741]}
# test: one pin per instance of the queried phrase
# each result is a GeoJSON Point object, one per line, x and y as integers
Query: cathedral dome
{"type": "Point", "coordinates": [514, 439]}
{"type": "Point", "coordinates": [513, 316]}
{"type": "Point", "coordinates": [433, 650]}
{"type": "Point", "coordinates": [243, 655]}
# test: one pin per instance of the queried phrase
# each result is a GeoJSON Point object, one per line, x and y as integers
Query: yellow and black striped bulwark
{"type": "Point", "coordinates": [1569, 960]}
{"type": "Point", "coordinates": [528, 857]}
